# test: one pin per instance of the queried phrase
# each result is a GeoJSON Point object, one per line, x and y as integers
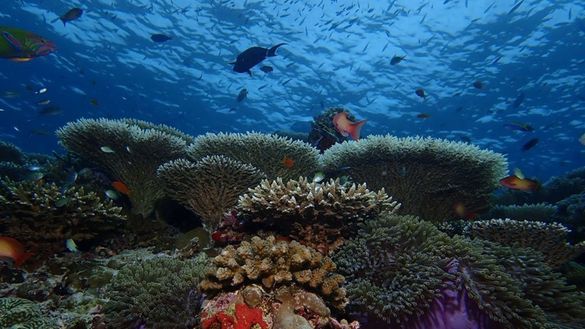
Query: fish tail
{"type": "Point", "coordinates": [272, 51]}
{"type": "Point", "coordinates": [355, 129]}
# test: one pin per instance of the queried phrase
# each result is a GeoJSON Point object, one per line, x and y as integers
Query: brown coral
{"type": "Point", "coordinates": [273, 264]}
{"type": "Point", "coordinates": [548, 238]}
{"type": "Point", "coordinates": [128, 153]}
{"type": "Point", "coordinates": [209, 187]}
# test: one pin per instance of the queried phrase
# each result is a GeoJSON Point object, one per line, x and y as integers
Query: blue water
{"type": "Point", "coordinates": [337, 54]}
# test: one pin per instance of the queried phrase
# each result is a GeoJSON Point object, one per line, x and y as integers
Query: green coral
{"type": "Point", "coordinates": [128, 152]}
{"type": "Point", "coordinates": [160, 291]}
{"type": "Point", "coordinates": [265, 152]}
{"type": "Point", "coordinates": [19, 313]}
{"type": "Point", "coordinates": [209, 187]}
{"type": "Point", "coordinates": [430, 177]}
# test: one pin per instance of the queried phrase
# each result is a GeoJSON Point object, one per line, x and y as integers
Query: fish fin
{"type": "Point", "coordinates": [355, 130]}
{"type": "Point", "coordinates": [272, 51]}
{"type": "Point", "coordinates": [249, 72]}
{"type": "Point", "coordinates": [14, 43]}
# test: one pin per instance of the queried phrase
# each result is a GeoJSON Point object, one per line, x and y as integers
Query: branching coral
{"type": "Point", "coordinates": [160, 292]}
{"type": "Point", "coordinates": [408, 273]}
{"type": "Point", "coordinates": [430, 177]}
{"type": "Point", "coordinates": [43, 213]}
{"type": "Point", "coordinates": [542, 212]}
{"type": "Point", "coordinates": [209, 187]}
{"type": "Point", "coordinates": [128, 152]}
{"type": "Point", "coordinates": [275, 156]}
{"type": "Point", "coordinates": [22, 313]}
{"type": "Point", "coordinates": [316, 214]}
{"type": "Point", "coordinates": [273, 264]}
{"type": "Point", "coordinates": [548, 238]}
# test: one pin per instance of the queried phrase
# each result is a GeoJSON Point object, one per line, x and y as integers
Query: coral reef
{"type": "Point", "coordinates": [273, 264]}
{"type": "Point", "coordinates": [164, 128]}
{"type": "Point", "coordinates": [550, 239]}
{"type": "Point", "coordinates": [44, 213]}
{"type": "Point", "coordinates": [209, 187]}
{"type": "Point", "coordinates": [541, 212]}
{"type": "Point", "coordinates": [323, 133]}
{"type": "Point", "coordinates": [11, 153]}
{"type": "Point", "coordinates": [127, 152]}
{"type": "Point", "coordinates": [314, 213]}
{"type": "Point", "coordinates": [275, 156]}
{"type": "Point", "coordinates": [22, 313]}
{"type": "Point", "coordinates": [575, 274]}
{"type": "Point", "coordinates": [411, 275]}
{"type": "Point", "coordinates": [430, 177]}
{"type": "Point", "coordinates": [159, 292]}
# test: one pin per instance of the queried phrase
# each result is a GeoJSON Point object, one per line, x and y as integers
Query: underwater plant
{"type": "Point", "coordinates": [19, 313]}
{"type": "Point", "coordinates": [158, 292]}
{"type": "Point", "coordinates": [275, 156]}
{"type": "Point", "coordinates": [430, 177]}
{"type": "Point", "coordinates": [209, 187]}
{"type": "Point", "coordinates": [130, 154]}
{"type": "Point", "coordinates": [45, 213]}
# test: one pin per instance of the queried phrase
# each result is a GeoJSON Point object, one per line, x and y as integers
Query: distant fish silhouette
{"type": "Point", "coordinates": [158, 37]}
{"type": "Point", "coordinates": [70, 15]}
{"type": "Point", "coordinates": [253, 56]}
{"type": "Point", "coordinates": [518, 101]}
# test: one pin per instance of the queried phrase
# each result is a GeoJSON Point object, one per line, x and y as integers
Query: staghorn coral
{"type": "Point", "coordinates": [273, 264]}
{"type": "Point", "coordinates": [541, 212]}
{"type": "Point", "coordinates": [42, 212]}
{"type": "Point", "coordinates": [209, 187]}
{"type": "Point", "coordinates": [430, 177]}
{"type": "Point", "coordinates": [550, 239]}
{"type": "Point", "coordinates": [11, 153]}
{"type": "Point", "coordinates": [19, 313]}
{"type": "Point", "coordinates": [128, 152]}
{"type": "Point", "coordinates": [409, 274]}
{"type": "Point", "coordinates": [316, 214]}
{"type": "Point", "coordinates": [275, 156]}
{"type": "Point", "coordinates": [160, 292]}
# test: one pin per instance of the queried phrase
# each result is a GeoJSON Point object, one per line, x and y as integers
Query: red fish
{"type": "Point", "coordinates": [121, 187]}
{"type": "Point", "coordinates": [12, 249]}
{"type": "Point", "coordinates": [288, 162]}
{"type": "Point", "coordinates": [522, 184]}
{"type": "Point", "coordinates": [347, 128]}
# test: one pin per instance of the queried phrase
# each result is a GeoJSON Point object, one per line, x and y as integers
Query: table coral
{"type": "Point", "coordinates": [430, 177]}
{"type": "Point", "coordinates": [127, 152]}
{"type": "Point", "coordinates": [22, 313]}
{"type": "Point", "coordinates": [275, 156]}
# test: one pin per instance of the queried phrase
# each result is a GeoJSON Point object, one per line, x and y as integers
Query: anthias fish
{"type": "Point", "coordinates": [22, 46]}
{"type": "Point", "coordinates": [521, 184]}
{"type": "Point", "coordinates": [346, 127]}
{"type": "Point", "coordinates": [13, 251]}
{"type": "Point", "coordinates": [252, 57]}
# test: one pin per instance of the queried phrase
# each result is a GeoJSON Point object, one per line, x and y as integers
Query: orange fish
{"type": "Point", "coordinates": [121, 187]}
{"type": "Point", "coordinates": [12, 249]}
{"type": "Point", "coordinates": [288, 162]}
{"type": "Point", "coordinates": [522, 184]}
{"type": "Point", "coordinates": [347, 128]}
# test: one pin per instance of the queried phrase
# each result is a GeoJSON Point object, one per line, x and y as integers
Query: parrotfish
{"type": "Point", "coordinates": [12, 250]}
{"type": "Point", "coordinates": [253, 56]}
{"type": "Point", "coordinates": [347, 128]}
{"type": "Point", "coordinates": [22, 46]}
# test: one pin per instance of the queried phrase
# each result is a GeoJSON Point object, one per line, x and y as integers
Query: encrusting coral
{"type": "Point", "coordinates": [43, 212]}
{"type": "Point", "coordinates": [209, 187]}
{"type": "Point", "coordinates": [317, 214]}
{"type": "Point", "coordinates": [430, 177]}
{"type": "Point", "coordinates": [127, 152]}
{"type": "Point", "coordinates": [273, 264]}
{"type": "Point", "coordinates": [411, 275]}
{"type": "Point", "coordinates": [541, 212]}
{"type": "Point", "coordinates": [19, 313]}
{"type": "Point", "coordinates": [550, 239]}
{"type": "Point", "coordinates": [159, 292]}
{"type": "Point", "coordinates": [275, 156]}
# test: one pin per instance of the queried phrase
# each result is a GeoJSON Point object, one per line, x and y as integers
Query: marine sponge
{"type": "Point", "coordinates": [542, 212]}
{"type": "Point", "coordinates": [430, 177]}
{"type": "Point", "coordinates": [127, 152]}
{"type": "Point", "coordinates": [209, 187]}
{"type": "Point", "coordinates": [550, 239]}
{"type": "Point", "coordinates": [409, 274]}
{"type": "Point", "coordinates": [22, 313]}
{"type": "Point", "coordinates": [41, 212]}
{"type": "Point", "coordinates": [275, 156]}
{"type": "Point", "coordinates": [273, 264]}
{"type": "Point", "coordinates": [160, 292]}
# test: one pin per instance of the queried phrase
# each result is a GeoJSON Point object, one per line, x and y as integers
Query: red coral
{"type": "Point", "coordinates": [247, 316]}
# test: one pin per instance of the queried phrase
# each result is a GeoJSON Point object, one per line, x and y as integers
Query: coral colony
{"type": "Point", "coordinates": [142, 226]}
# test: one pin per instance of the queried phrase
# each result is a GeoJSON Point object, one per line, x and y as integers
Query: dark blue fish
{"type": "Point", "coordinates": [253, 56]}
{"type": "Point", "coordinates": [519, 126]}
{"type": "Point", "coordinates": [160, 37]}
{"type": "Point", "coordinates": [530, 144]}
{"type": "Point", "coordinates": [519, 99]}
{"type": "Point", "coordinates": [396, 59]}
{"type": "Point", "coordinates": [266, 69]}
{"type": "Point", "coordinates": [70, 15]}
